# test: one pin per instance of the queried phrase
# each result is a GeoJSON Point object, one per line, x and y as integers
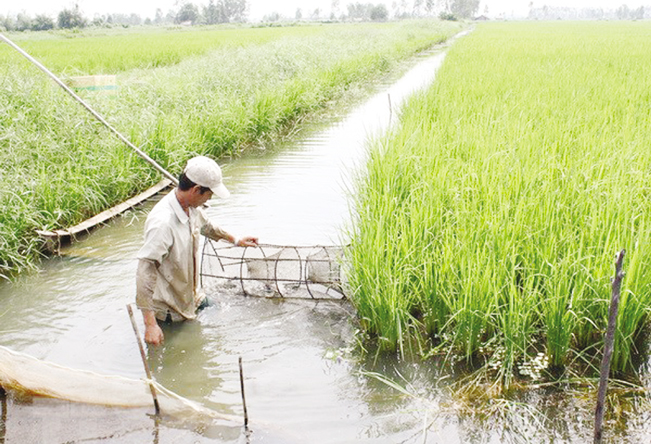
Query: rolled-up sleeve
{"type": "Point", "coordinates": [210, 229]}
{"type": "Point", "coordinates": [145, 283]}
{"type": "Point", "coordinates": [158, 242]}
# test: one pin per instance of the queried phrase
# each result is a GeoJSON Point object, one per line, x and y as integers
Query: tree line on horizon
{"type": "Point", "coordinates": [236, 11]}
{"type": "Point", "coordinates": [623, 12]}
{"type": "Point", "coordinates": [216, 11]}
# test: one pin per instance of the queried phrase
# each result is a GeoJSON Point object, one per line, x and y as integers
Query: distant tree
{"type": "Point", "coordinates": [594, 13]}
{"type": "Point", "coordinates": [623, 12]}
{"type": "Point", "coordinates": [148, 22]}
{"type": "Point", "coordinates": [224, 11]}
{"type": "Point", "coordinates": [188, 13]}
{"type": "Point", "coordinates": [637, 14]}
{"type": "Point", "coordinates": [6, 24]}
{"type": "Point", "coordinates": [42, 23]}
{"type": "Point", "coordinates": [158, 18]}
{"type": "Point", "coordinates": [212, 13]}
{"type": "Point", "coordinates": [234, 10]}
{"type": "Point", "coordinates": [417, 9]}
{"type": "Point", "coordinates": [71, 18]}
{"type": "Point", "coordinates": [124, 19]}
{"type": "Point", "coordinates": [403, 8]}
{"type": "Point", "coordinates": [299, 14]}
{"type": "Point", "coordinates": [316, 14]}
{"type": "Point", "coordinates": [464, 8]}
{"type": "Point", "coordinates": [334, 9]}
{"type": "Point", "coordinates": [379, 13]}
{"type": "Point", "coordinates": [98, 21]}
{"type": "Point", "coordinates": [272, 17]}
{"type": "Point", "coordinates": [23, 22]}
{"type": "Point", "coordinates": [367, 11]}
{"type": "Point", "coordinates": [359, 11]}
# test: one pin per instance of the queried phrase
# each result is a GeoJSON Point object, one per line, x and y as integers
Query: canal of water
{"type": "Point", "coordinates": [304, 381]}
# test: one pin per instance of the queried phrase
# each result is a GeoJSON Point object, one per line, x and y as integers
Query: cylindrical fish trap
{"type": "Point", "coordinates": [308, 272]}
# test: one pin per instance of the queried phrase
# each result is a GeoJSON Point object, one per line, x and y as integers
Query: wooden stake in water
{"type": "Point", "coordinates": [609, 342]}
{"type": "Point", "coordinates": [144, 359]}
{"type": "Point", "coordinates": [3, 415]}
{"type": "Point", "coordinates": [246, 416]}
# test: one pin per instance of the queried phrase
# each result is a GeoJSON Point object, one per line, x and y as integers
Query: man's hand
{"type": "Point", "coordinates": [153, 332]}
{"type": "Point", "coordinates": [248, 241]}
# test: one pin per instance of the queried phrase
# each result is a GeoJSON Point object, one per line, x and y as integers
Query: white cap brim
{"type": "Point", "coordinates": [220, 191]}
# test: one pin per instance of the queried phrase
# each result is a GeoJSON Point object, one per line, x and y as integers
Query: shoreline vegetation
{"type": "Point", "coordinates": [489, 219]}
{"type": "Point", "coordinates": [215, 91]}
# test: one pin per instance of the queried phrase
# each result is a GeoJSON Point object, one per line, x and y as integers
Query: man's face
{"type": "Point", "coordinates": [196, 198]}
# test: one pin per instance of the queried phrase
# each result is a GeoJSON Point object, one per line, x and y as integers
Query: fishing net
{"type": "Point", "coordinates": [29, 376]}
{"type": "Point", "coordinates": [312, 272]}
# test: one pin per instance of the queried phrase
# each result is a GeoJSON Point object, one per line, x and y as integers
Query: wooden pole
{"type": "Point", "coordinates": [144, 359]}
{"type": "Point", "coordinates": [3, 415]}
{"type": "Point", "coordinates": [246, 415]}
{"type": "Point", "coordinates": [95, 114]}
{"type": "Point", "coordinates": [609, 343]}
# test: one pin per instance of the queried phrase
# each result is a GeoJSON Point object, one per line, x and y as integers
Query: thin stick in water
{"type": "Point", "coordinates": [144, 359]}
{"type": "Point", "coordinates": [608, 347]}
{"type": "Point", "coordinates": [246, 415]}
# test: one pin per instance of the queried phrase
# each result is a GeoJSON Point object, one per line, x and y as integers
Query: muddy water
{"type": "Point", "coordinates": [303, 381]}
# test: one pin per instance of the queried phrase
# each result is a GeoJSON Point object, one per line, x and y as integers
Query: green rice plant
{"type": "Point", "coordinates": [248, 87]}
{"type": "Point", "coordinates": [489, 219]}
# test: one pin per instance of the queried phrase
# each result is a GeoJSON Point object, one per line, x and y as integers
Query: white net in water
{"type": "Point", "coordinates": [30, 376]}
{"type": "Point", "coordinates": [312, 272]}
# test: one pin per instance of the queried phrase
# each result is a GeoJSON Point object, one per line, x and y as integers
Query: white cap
{"type": "Point", "coordinates": [205, 172]}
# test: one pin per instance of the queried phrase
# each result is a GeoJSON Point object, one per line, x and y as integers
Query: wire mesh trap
{"type": "Point", "coordinates": [308, 272]}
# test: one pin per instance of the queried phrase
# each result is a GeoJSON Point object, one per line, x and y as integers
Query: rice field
{"type": "Point", "coordinates": [215, 91]}
{"type": "Point", "coordinates": [488, 221]}
{"type": "Point", "coordinates": [112, 51]}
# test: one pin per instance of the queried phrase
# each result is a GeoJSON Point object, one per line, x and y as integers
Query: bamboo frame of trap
{"type": "Point", "coordinates": [304, 272]}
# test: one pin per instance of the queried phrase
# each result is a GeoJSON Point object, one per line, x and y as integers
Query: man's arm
{"type": "Point", "coordinates": [215, 232]}
{"type": "Point", "coordinates": [145, 284]}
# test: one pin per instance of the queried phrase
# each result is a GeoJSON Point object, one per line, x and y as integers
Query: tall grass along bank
{"type": "Point", "coordinates": [488, 222]}
{"type": "Point", "coordinates": [59, 166]}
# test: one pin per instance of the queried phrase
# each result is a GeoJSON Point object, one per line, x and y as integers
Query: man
{"type": "Point", "coordinates": [167, 280]}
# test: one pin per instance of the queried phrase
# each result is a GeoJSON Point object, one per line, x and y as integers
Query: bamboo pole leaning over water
{"type": "Point", "coordinates": [608, 347]}
{"type": "Point", "coordinates": [95, 114]}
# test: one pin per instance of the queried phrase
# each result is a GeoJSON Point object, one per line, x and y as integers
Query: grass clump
{"type": "Point", "coordinates": [66, 167]}
{"type": "Point", "coordinates": [488, 222]}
